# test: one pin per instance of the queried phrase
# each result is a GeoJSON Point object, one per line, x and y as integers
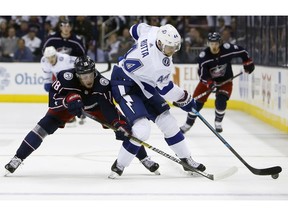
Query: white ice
{"type": "Point", "coordinates": [73, 163]}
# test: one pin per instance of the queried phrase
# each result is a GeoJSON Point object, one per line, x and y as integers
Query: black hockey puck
{"type": "Point", "coordinates": [275, 176]}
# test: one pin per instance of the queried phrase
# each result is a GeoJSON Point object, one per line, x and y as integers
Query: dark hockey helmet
{"type": "Point", "coordinates": [214, 37]}
{"type": "Point", "coordinates": [65, 22]}
{"type": "Point", "coordinates": [84, 65]}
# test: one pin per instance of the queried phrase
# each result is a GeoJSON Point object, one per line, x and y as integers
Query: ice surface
{"type": "Point", "coordinates": [73, 164]}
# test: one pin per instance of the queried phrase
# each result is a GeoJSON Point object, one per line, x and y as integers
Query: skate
{"type": "Point", "coordinates": [150, 165]}
{"type": "Point", "coordinates": [82, 119]}
{"type": "Point", "coordinates": [193, 164]}
{"type": "Point", "coordinates": [13, 164]}
{"type": "Point", "coordinates": [189, 123]}
{"type": "Point", "coordinates": [116, 170]}
{"type": "Point", "coordinates": [185, 128]}
{"type": "Point", "coordinates": [218, 126]}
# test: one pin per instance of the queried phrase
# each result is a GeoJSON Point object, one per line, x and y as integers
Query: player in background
{"type": "Point", "coordinates": [65, 41]}
{"type": "Point", "coordinates": [52, 63]}
{"type": "Point", "coordinates": [140, 84]}
{"type": "Point", "coordinates": [81, 87]}
{"type": "Point", "coordinates": [214, 68]}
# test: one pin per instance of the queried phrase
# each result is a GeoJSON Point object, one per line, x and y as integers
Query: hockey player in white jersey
{"type": "Point", "coordinates": [141, 84]}
{"type": "Point", "coordinates": [52, 63]}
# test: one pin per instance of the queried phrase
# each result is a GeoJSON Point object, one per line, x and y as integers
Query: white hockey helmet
{"type": "Point", "coordinates": [170, 39]}
{"type": "Point", "coordinates": [49, 51]}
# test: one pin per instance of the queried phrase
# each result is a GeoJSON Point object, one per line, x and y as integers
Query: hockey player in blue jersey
{"type": "Point", "coordinates": [141, 84]}
{"type": "Point", "coordinates": [215, 68]}
{"type": "Point", "coordinates": [81, 87]}
{"type": "Point", "coordinates": [65, 41]}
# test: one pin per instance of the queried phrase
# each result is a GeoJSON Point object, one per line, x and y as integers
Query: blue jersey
{"type": "Point", "coordinates": [98, 98]}
{"type": "Point", "coordinates": [218, 66]}
{"type": "Point", "coordinates": [72, 46]}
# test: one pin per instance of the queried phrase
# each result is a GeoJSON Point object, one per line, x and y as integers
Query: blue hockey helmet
{"type": "Point", "coordinates": [214, 37]}
{"type": "Point", "coordinates": [85, 70]}
{"type": "Point", "coordinates": [84, 64]}
{"type": "Point", "coordinates": [65, 22]}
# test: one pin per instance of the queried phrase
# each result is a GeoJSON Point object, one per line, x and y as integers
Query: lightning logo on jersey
{"type": "Point", "coordinates": [129, 101]}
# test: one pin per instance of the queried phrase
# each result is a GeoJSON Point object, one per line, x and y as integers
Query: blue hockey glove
{"type": "Point", "coordinates": [186, 102]}
{"type": "Point", "coordinates": [249, 66]}
{"type": "Point", "coordinates": [74, 104]}
{"type": "Point", "coordinates": [47, 86]}
{"type": "Point", "coordinates": [123, 129]}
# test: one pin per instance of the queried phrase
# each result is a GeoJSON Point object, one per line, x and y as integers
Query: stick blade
{"type": "Point", "coordinates": [225, 174]}
{"type": "Point", "coordinates": [268, 171]}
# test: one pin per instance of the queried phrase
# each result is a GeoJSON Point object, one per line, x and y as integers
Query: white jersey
{"type": "Point", "coordinates": [148, 66]}
{"type": "Point", "coordinates": [64, 62]}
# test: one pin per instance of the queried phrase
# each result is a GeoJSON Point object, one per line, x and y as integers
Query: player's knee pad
{"type": "Point", "coordinates": [167, 124]}
{"type": "Point", "coordinates": [141, 129]}
{"type": "Point", "coordinates": [49, 124]}
{"type": "Point", "coordinates": [221, 101]}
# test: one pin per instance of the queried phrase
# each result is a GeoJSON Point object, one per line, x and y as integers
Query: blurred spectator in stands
{"type": "Point", "coordinates": [180, 26]}
{"type": "Point", "coordinates": [33, 42]}
{"type": "Point", "coordinates": [233, 29]}
{"type": "Point", "coordinates": [91, 51]}
{"type": "Point", "coordinates": [36, 21]}
{"type": "Point", "coordinates": [23, 29]}
{"type": "Point", "coordinates": [16, 21]}
{"type": "Point", "coordinates": [97, 55]}
{"type": "Point", "coordinates": [194, 38]}
{"type": "Point", "coordinates": [8, 45]}
{"type": "Point", "coordinates": [153, 21]}
{"type": "Point", "coordinates": [48, 30]}
{"type": "Point", "coordinates": [83, 27]}
{"type": "Point", "coordinates": [197, 21]}
{"type": "Point", "coordinates": [126, 42]}
{"type": "Point", "coordinates": [65, 41]}
{"type": "Point", "coordinates": [3, 27]}
{"type": "Point", "coordinates": [194, 43]}
{"type": "Point", "coordinates": [168, 20]}
{"type": "Point", "coordinates": [213, 23]}
{"type": "Point", "coordinates": [53, 20]}
{"type": "Point", "coordinates": [22, 53]}
{"type": "Point", "coordinates": [221, 24]}
{"type": "Point", "coordinates": [112, 47]}
{"type": "Point", "coordinates": [23, 23]}
{"type": "Point", "coordinates": [227, 37]}
{"type": "Point", "coordinates": [3, 18]}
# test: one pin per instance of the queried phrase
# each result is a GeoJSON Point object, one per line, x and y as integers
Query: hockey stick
{"type": "Point", "coordinates": [220, 84]}
{"type": "Point", "coordinates": [108, 68]}
{"type": "Point", "coordinates": [273, 171]}
{"type": "Point", "coordinates": [219, 176]}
